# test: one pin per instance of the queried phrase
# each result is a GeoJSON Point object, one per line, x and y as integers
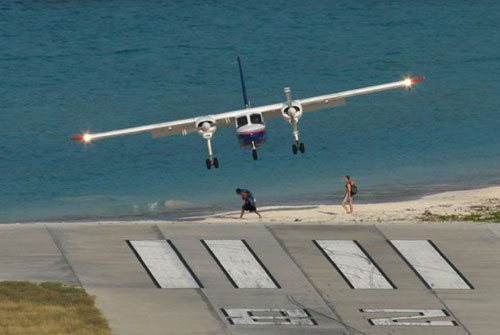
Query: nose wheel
{"type": "Point", "coordinates": [296, 147]}
{"type": "Point", "coordinates": [255, 154]}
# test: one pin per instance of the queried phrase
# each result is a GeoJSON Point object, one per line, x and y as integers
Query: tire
{"type": "Point", "coordinates": [209, 163]}
{"type": "Point", "coordinates": [294, 149]}
{"type": "Point", "coordinates": [255, 155]}
{"type": "Point", "coordinates": [216, 163]}
{"type": "Point", "coordinates": [302, 148]}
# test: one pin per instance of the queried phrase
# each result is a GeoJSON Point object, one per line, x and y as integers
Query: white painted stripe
{"type": "Point", "coordinates": [429, 264]}
{"type": "Point", "coordinates": [413, 319]}
{"type": "Point", "coordinates": [268, 316]}
{"type": "Point", "coordinates": [354, 264]}
{"type": "Point", "coordinates": [164, 264]}
{"type": "Point", "coordinates": [243, 269]}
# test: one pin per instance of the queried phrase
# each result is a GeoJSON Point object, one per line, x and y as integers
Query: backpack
{"type": "Point", "coordinates": [354, 189]}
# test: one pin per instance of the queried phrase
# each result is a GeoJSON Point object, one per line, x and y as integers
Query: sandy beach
{"type": "Point", "coordinates": [461, 205]}
{"type": "Point", "coordinates": [481, 205]}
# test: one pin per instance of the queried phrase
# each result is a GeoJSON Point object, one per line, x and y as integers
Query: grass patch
{"type": "Point", "coordinates": [481, 215]}
{"type": "Point", "coordinates": [49, 308]}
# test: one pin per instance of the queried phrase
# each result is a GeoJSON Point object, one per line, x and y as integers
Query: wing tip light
{"type": "Point", "coordinates": [86, 138]}
{"type": "Point", "coordinates": [408, 82]}
{"type": "Point", "coordinates": [417, 79]}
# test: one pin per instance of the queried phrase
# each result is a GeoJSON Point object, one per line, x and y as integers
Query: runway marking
{"type": "Point", "coordinates": [430, 264]}
{"type": "Point", "coordinates": [240, 264]}
{"type": "Point", "coordinates": [420, 314]}
{"type": "Point", "coordinates": [268, 316]}
{"type": "Point", "coordinates": [164, 264]}
{"type": "Point", "coordinates": [354, 264]}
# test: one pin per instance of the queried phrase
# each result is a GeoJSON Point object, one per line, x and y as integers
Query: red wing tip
{"type": "Point", "coordinates": [417, 79]}
{"type": "Point", "coordinates": [77, 138]}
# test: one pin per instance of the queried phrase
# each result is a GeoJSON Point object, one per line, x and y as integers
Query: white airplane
{"type": "Point", "coordinates": [249, 122]}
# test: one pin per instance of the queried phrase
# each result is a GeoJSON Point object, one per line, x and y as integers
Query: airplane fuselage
{"type": "Point", "coordinates": [255, 133]}
{"type": "Point", "coordinates": [250, 130]}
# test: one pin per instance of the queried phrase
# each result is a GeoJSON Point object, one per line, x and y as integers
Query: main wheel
{"type": "Point", "coordinates": [209, 163]}
{"type": "Point", "coordinates": [216, 163]}
{"type": "Point", "coordinates": [255, 154]}
{"type": "Point", "coordinates": [302, 148]}
{"type": "Point", "coordinates": [294, 149]}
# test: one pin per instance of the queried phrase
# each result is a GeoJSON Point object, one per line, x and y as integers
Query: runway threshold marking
{"type": "Point", "coordinates": [354, 264]}
{"type": "Point", "coordinates": [240, 264]}
{"type": "Point", "coordinates": [268, 316]}
{"type": "Point", "coordinates": [164, 264]}
{"type": "Point", "coordinates": [430, 264]}
{"type": "Point", "coordinates": [413, 317]}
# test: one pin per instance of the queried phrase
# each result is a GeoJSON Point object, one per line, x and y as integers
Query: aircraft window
{"type": "Point", "coordinates": [242, 121]}
{"type": "Point", "coordinates": [256, 118]}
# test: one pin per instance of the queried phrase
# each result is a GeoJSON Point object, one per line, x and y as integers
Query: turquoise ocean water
{"type": "Point", "coordinates": [68, 66]}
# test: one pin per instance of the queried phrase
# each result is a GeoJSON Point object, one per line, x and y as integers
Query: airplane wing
{"type": "Point", "coordinates": [183, 127]}
{"type": "Point", "coordinates": [318, 102]}
{"type": "Point", "coordinates": [338, 99]}
{"type": "Point", "coordinates": [188, 126]}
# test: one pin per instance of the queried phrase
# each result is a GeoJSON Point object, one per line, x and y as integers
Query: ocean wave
{"type": "Point", "coordinates": [131, 50]}
{"type": "Point", "coordinates": [161, 207]}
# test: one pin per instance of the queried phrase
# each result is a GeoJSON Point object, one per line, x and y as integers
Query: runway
{"type": "Point", "coordinates": [194, 278]}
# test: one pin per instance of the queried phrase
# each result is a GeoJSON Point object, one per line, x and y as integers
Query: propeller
{"type": "Point", "coordinates": [291, 110]}
{"type": "Point", "coordinates": [288, 94]}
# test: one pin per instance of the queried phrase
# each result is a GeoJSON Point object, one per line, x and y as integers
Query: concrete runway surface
{"type": "Point", "coordinates": [191, 278]}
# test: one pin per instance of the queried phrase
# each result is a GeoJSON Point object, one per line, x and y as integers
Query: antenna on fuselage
{"type": "Point", "coordinates": [243, 86]}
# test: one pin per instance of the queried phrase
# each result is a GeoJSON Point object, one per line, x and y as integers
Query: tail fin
{"type": "Point", "coordinates": [243, 86]}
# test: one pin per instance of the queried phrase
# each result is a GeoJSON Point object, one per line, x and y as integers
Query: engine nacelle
{"type": "Point", "coordinates": [206, 126]}
{"type": "Point", "coordinates": [292, 112]}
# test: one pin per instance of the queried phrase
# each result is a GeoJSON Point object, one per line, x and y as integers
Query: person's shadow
{"type": "Point", "coordinates": [329, 213]}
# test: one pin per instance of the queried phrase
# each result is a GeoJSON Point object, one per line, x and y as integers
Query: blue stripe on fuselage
{"type": "Point", "coordinates": [246, 139]}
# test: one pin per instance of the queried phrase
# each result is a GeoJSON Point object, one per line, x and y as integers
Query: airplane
{"type": "Point", "coordinates": [249, 122]}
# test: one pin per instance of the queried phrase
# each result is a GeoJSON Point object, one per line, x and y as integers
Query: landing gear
{"type": "Point", "coordinates": [296, 147]}
{"type": "Point", "coordinates": [292, 112]}
{"type": "Point", "coordinates": [211, 160]}
{"type": "Point", "coordinates": [255, 155]}
{"type": "Point", "coordinates": [206, 128]}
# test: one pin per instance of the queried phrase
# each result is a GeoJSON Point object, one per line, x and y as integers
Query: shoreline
{"type": "Point", "coordinates": [443, 206]}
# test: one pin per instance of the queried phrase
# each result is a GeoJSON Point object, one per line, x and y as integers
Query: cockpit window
{"type": "Point", "coordinates": [242, 121]}
{"type": "Point", "coordinates": [256, 119]}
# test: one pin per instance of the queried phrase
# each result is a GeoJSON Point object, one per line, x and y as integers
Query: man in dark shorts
{"type": "Point", "coordinates": [249, 202]}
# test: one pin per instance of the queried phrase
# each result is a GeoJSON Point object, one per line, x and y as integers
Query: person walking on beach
{"type": "Point", "coordinates": [249, 202]}
{"type": "Point", "coordinates": [350, 190]}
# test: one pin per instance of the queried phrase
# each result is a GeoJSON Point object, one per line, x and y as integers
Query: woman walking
{"type": "Point", "coordinates": [350, 190]}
